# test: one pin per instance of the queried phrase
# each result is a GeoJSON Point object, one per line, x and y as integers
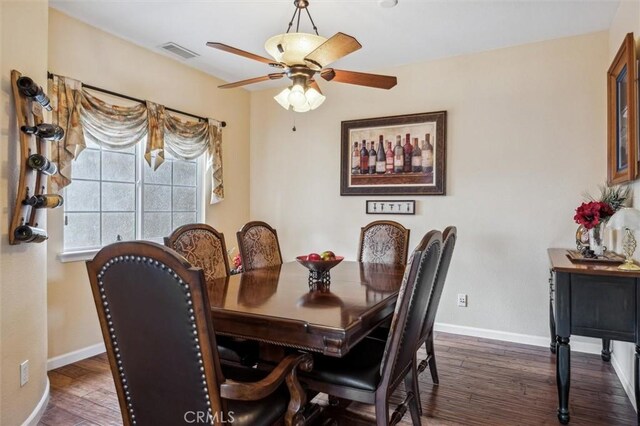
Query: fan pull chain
{"type": "Point", "coordinates": [294, 124]}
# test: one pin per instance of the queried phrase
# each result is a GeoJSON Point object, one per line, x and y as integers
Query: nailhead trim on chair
{"type": "Point", "coordinates": [114, 341]}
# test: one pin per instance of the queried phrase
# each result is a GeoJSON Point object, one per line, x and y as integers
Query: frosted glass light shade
{"type": "Point", "coordinates": [314, 98]}
{"type": "Point", "coordinates": [297, 97]}
{"type": "Point", "coordinates": [624, 218]}
{"type": "Point", "coordinates": [295, 46]}
{"type": "Point", "coordinates": [283, 98]}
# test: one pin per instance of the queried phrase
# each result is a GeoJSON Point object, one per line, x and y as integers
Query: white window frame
{"type": "Point", "coordinates": [82, 255]}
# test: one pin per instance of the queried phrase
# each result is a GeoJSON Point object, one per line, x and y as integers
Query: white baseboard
{"type": "Point", "coordinates": [625, 380]}
{"type": "Point", "coordinates": [39, 409]}
{"type": "Point", "coordinates": [586, 347]}
{"type": "Point", "coordinates": [75, 356]}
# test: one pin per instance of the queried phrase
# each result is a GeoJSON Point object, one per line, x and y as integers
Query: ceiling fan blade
{"type": "Point", "coordinates": [274, 76]}
{"type": "Point", "coordinates": [244, 54]}
{"type": "Point", "coordinates": [314, 85]}
{"type": "Point", "coordinates": [359, 78]}
{"type": "Point", "coordinates": [336, 47]}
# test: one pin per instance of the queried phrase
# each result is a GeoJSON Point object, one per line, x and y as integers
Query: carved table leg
{"type": "Point", "coordinates": [552, 318]}
{"type": "Point", "coordinates": [563, 373]}
{"type": "Point", "coordinates": [637, 381]}
{"type": "Point", "coordinates": [294, 415]}
{"type": "Point", "coordinates": [606, 350]}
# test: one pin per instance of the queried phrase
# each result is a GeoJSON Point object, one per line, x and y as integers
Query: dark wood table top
{"type": "Point", "coordinates": [560, 262]}
{"type": "Point", "coordinates": [275, 305]}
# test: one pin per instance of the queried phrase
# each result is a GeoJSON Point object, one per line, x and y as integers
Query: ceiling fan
{"type": "Point", "coordinates": [301, 56]}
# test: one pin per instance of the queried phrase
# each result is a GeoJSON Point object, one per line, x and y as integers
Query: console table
{"type": "Point", "coordinates": [594, 300]}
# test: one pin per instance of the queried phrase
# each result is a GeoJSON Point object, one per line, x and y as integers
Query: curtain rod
{"type": "Point", "coordinates": [131, 98]}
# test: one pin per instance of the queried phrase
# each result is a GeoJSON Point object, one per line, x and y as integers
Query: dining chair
{"type": "Point", "coordinates": [259, 246]}
{"type": "Point", "coordinates": [374, 368]}
{"type": "Point", "coordinates": [384, 241]}
{"type": "Point", "coordinates": [204, 247]}
{"type": "Point", "coordinates": [449, 241]}
{"type": "Point", "coordinates": [154, 310]}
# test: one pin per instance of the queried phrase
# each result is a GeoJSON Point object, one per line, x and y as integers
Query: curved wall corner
{"type": "Point", "coordinates": [23, 275]}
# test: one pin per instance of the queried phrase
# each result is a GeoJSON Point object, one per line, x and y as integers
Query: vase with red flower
{"type": "Point", "coordinates": [592, 216]}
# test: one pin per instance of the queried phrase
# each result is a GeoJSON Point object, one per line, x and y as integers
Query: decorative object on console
{"type": "Point", "coordinates": [622, 104]}
{"type": "Point", "coordinates": [593, 215]}
{"type": "Point", "coordinates": [627, 219]}
{"type": "Point", "coordinates": [415, 165]}
{"type": "Point", "coordinates": [391, 207]}
{"type": "Point", "coordinates": [302, 55]}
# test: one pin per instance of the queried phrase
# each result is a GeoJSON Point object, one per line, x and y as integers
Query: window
{"type": "Point", "coordinates": [114, 195]}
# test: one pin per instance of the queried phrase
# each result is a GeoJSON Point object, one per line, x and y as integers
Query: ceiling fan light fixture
{"type": "Point", "coordinates": [283, 98]}
{"type": "Point", "coordinates": [297, 96]}
{"type": "Point", "coordinates": [314, 98]}
{"type": "Point", "coordinates": [292, 48]}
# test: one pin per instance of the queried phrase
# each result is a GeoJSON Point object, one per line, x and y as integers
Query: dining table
{"type": "Point", "coordinates": [275, 305]}
{"type": "Point", "coordinates": [279, 307]}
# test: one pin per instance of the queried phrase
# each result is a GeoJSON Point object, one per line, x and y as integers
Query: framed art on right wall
{"type": "Point", "coordinates": [622, 104]}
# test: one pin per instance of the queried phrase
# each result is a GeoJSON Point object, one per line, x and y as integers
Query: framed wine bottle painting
{"type": "Point", "coordinates": [400, 155]}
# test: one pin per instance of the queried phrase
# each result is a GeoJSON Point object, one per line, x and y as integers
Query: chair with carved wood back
{"type": "Point", "coordinates": [153, 309]}
{"type": "Point", "coordinates": [374, 368]}
{"type": "Point", "coordinates": [449, 241]}
{"type": "Point", "coordinates": [259, 246]}
{"type": "Point", "coordinates": [204, 247]}
{"type": "Point", "coordinates": [384, 241]}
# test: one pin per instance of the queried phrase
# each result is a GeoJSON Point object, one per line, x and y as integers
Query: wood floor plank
{"type": "Point", "coordinates": [482, 382]}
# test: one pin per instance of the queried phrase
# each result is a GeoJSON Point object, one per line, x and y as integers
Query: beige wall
{"type": "Point", "coordinates": [626, 20]}
{"type": "Point", "coordinates": [23, 275]}
{"type": "Point", "coordinates": [526, 131]}
{"type": "Point", "coordinates": [95, 57]}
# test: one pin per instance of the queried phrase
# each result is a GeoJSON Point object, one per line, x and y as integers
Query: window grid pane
{"type": "Point", "coordinates": [101, 204]}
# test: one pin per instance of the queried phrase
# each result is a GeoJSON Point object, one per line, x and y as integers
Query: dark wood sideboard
{"type": "Point", "coordinates": [594, 300]}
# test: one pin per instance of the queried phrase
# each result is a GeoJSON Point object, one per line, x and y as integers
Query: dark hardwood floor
{"type": "Point", "coordinates": [482, 382]}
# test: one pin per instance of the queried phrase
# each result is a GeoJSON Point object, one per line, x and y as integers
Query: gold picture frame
{"type": "Point", "coordinates": [622, 104]}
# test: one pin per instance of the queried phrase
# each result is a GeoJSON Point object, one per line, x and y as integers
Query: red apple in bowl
{"type": "Point", "coordinates": [314, 257]}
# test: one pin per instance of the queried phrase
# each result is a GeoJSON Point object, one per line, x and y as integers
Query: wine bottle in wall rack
{"type": "Point", "coordinates": [44, 201]}
{"type": "Point", "coordinates": [49, 132]}
{"type": "Point", "coordinates": [398, 156]}
{"type": "Point", "coordinates": [355, 159]}
{"type": "Point", "coordinates": [372, 159]}
{"type": "Point", "coordinates": [381, 159]}
{"type": "Point", "coordinates": [30, 89]}
{"type": "Point", "coordinates": [364, 158]}
{"type": "Point", "coordinates": [416, 157]}
{"type": "Point", "coordinates": [30, 234]}
{"type": "Point", "coordinates": [42, 164]}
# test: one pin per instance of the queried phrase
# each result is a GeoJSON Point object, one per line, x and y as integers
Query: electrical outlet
{"type": "Point", "coordinates": [462, 300]}
{"type": "Point", "coordinates": [24, 373]}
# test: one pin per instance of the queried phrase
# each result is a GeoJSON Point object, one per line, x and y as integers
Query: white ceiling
{"type": "Point", "coordinates": [413, 31]}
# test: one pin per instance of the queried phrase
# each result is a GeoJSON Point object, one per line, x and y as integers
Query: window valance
{"type": "Point", "coordinates": [83, 116]}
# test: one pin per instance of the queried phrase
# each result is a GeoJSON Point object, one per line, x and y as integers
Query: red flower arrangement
{"type": "Point", "coordinates": [593, 213]}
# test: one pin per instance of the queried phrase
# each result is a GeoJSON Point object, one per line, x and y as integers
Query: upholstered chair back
{"type": "Point", "coordinates": [411, 307]}
{"type": "Point", "coordinates": [203, 247]}
{"type": "Point", "coordinates": [154, 314]}
{"type": "Point", "coordinates": [258, 245]}
{"type": "Point", "coordinates": [449, 242]}
{"type": "Point", "coordinates": [384, 241]}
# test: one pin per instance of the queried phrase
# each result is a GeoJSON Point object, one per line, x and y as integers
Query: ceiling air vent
{"type": "Point", "coordinates": [178, 50]}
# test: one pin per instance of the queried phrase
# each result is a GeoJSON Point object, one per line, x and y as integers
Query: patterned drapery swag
{"type": "Point", "coordinates": [85, 117]}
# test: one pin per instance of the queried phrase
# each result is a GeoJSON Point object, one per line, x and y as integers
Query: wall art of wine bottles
{"type": "Point", "coordinates": [27, 225]}
{"type": "Point", "coordinates": [398, 155]}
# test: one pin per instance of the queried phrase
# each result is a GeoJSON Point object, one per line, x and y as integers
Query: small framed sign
{"type": "Point", "coordinates": [391, 206]}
